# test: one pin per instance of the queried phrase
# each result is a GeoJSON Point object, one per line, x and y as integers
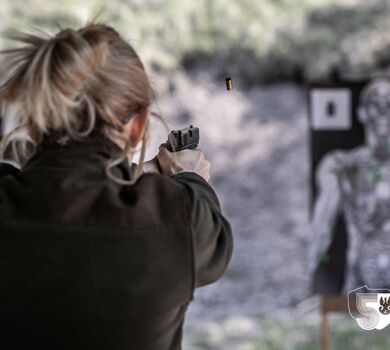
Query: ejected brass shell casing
{"type": "Point", "coordinates": [229, 83]}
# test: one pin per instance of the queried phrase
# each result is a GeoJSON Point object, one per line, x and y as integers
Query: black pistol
{"type": "Point", "coordinates": [187, 138]}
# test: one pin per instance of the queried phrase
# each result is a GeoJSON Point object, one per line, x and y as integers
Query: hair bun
{"type": "Point", "coordinates": [65, 33]}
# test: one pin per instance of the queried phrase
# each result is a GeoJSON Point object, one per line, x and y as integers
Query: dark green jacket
{"type": "Point", "coordinates": [81, 268]}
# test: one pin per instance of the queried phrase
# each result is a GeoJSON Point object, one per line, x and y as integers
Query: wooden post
{"type": "Point", "coordinates": [324, 325]}
{"type": "Point", "coordinates": [332, 303]}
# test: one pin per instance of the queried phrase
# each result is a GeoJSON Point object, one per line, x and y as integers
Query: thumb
{"type": "Point", "coordinates": [164, 156]}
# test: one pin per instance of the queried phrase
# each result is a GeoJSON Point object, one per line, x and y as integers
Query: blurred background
{"type": "Point", "coordinates": [255, 136]}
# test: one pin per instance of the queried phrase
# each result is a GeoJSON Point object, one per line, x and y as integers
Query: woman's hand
{"type": "Point", "coordinates": [152, 166]}
{"type": "Point", "coordinates": [186, 160]}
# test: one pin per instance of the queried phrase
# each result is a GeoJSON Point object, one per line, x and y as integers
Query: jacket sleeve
{"type": "Point", "coordinates": [212, 233]}
{"type": "Point", "coordinates": [7, 168]}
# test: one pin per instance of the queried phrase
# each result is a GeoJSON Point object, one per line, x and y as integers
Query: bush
{"type": "Point", "coordinates": [259, 41]}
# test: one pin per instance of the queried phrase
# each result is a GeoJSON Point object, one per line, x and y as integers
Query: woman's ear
{"type": "Point", "coordinates": [136, 127]}
{"type": "Point", "coordinates": [33, 134]}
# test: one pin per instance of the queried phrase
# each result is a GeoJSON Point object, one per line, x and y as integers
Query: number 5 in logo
{"type": "Point", "coordinates": [370, 317]}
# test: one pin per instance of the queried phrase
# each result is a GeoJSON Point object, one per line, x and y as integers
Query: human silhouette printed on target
{"type": "Point", "coordinates": [356, 183]}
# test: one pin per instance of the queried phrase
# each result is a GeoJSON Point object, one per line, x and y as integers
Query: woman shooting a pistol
{"type": "Point", "coordinates": [95, 255]}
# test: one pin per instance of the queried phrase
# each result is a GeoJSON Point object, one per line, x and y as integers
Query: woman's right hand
{"type": "Point", "coordinates": [186, 160]}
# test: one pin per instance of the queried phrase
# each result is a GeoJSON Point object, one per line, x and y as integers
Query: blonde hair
{"type": "Point", "coordinates": [77, 81]}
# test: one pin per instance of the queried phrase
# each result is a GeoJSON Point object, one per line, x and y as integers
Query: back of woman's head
{"type": "Point", "coordinates": [77, 81]}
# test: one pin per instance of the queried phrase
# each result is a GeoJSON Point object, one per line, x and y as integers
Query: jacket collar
{"type": "Point", "coordinates": [58, 150]}
{"type": "Point", "coordinates": [94, 141]}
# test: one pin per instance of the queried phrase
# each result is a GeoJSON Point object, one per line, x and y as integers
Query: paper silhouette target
{"type": "Point", "coordinates": [350, 221]}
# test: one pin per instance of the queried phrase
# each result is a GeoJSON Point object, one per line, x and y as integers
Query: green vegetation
{"type": "Point", "coordinates": [344, 333]}
{"type": "Point", "coordinates": [292, 332]}
{"type": "Point", "coordinates": [260, 41]}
